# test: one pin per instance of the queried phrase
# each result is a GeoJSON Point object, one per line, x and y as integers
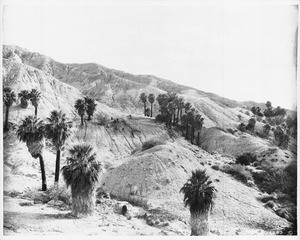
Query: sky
{"type": "Point", "coordinates": [242, 52]}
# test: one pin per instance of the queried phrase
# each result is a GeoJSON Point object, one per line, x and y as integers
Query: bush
{"type": "Point", "coordinates": [152, 143]}
{"type": "Point", "coordinates": [242, 127]}
{"type": "Point", "coordinates": [281, 138]}
{"type": "Point", "coordinates": [102, 120]}
{"type": "Point", "coordinates": [247, 113]}
{"type": "Point", "coordinates": [216, 167]}
{"type": "Point", "coordinates": [238, 171]}
{"type": "Point", "coordinates": [251, 124]}
{"type": "Point", "coordinates": [160, 118]}
{"type": "Point", "coordinates": [62, 193]}
{"type": "Point", "coordinates": [275, 180]}
{"type": "Point", "coordinates": [246, 158]}
{"type": "Point", "coordinates": [230, 130]}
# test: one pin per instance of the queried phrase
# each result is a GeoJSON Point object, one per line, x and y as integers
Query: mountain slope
{"type": "Point", "coordinates": [158, 172]}
{"type": "Point", "coordinates": [121, 90]}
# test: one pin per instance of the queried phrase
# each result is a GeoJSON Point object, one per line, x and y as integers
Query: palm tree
{"type": "Point", "coordinates": [81, 108]}
{"type": "Point", "coordinates": [172, 110]}
{"type": "Point", "coordinates": [90, 106]}
{"type": "Point", "coordinates": [180, 105]}
{"type": "Point", "coordinates": [198, 195]}
{"type": "Point", "coordinates": [151, 99]}
{"type": "Point", "coordinates": [187, 106]}
{"type": "Point", "coordinates": [198, 124]}
{"type": "Point", "coordinates": [32, 132]}
{"type": "Point", "coordinates": [9, 97]}
{"type": "Point", "coordinates": [143, 98]}
{"type": "Point", "coordinates": [24, 95]}
{"type": "Point", "coordinates": [81, 174]}
{"type": "Point", "coordinates": [57, 130]}
{"type": "Point", "coordinates": [35, 97]}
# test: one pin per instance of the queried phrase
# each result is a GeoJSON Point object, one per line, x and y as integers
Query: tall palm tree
{"type": "Point", "coordinates": [57, 130]}
{"type": "Point", "coordinates": [151, 99]}
{"type": "Point", "coordinates": [24, 96]}
{"type": "Point", "coordinates": [172, 110]}
{"type": "Point", "coordinates": [81, 108]}
{"type": "Point", "coordinates": [198, 195]}
{"type": "Point", "coordinates": [9, 97]}
{"type": "Point", "coordinates": [180, 106]}
{"type": "Point", "coordinates": [143, 98]}
{"type": "Point", "coordinates": [32, 132]}
{"type": "Point", "coordinates": [90, 107]}
{"type": "Point", "coordinates": [81, 174]}
{"type": "Point", "coordinates": [35, 97]}
{"type": "Point", "coordinates": [198, 124]}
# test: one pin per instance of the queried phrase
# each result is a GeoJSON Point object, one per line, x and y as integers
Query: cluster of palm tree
{"type": "Point", "coordinates": [34, 96]}
{"type": "Point", "coordinates": [34, 131]}
{"type": "Point", "coordinates": [86, 105]}
{"type": "Point", "coordinates": [151, 98]}
{"type": "Point", "coordinates": [9, 97]}
{"type": "Point", "coordinates": [171, 112]}
{"type": "Point", "coordinates": [198, 196]}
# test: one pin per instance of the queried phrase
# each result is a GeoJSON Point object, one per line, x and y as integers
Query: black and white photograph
{"type": "Point", "coordinates": [149, 118]}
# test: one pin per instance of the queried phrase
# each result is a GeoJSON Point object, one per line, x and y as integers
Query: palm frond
{"type": "Point", "coordinates": [31, 130]}
{"type": "Point", "coordinates": [58, 128]}
{"type": "Point", "coordinates": [82, 170]}
{"type": "Point", "coordinates": [198, 192]}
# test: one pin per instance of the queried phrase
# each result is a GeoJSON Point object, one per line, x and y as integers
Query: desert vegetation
{"type": "Point", "coordinates": [9, 97]}
{"type": "Point", "coordinates": [198, 196]}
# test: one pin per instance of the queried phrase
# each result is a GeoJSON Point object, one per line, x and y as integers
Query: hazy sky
{"type": "Point", "coordinates": [236, 51]}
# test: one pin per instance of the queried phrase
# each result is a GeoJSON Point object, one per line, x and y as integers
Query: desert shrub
{"type": "Point", "coordinates": [242, 127]}
{"type": "Point", "coordinates": [102, 120]}
{"type": "Point", "coordinates": [238, 171]}
{"type": "Point", "coordinates": [160, 118]}
{"type": "Point", "coordinates": [240, 117]}
{"type": "Point", "coordinates": [61, 193]}
{"type": "Point", "coordinates": [266, 129]}
{"type": "Point", "coordinates": [152, 143]}
{"type": "Point", "coordinates": [277, 181]}
{"type": "Point", "coordinates": [246, 158]}
{"type": "Point", "coordinates": [247, 113]}
{"type": "Point", "coordinates": [230, 130]}
{"type": "Point", "coordinates": [281, 138]}
{"type": "Point", "coordinates": [251, 124]}
{"type": "Point", "coordinates": [216, 167]}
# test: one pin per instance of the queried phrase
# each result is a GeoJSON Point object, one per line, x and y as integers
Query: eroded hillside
{"type": "Point", "coordinates": [130, 172]}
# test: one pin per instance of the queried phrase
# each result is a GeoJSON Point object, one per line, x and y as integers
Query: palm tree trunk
{"type": "Point", "coordinates": [6, 119]}
{"type": "Point", "coordinates": [83, 201]}
{"type": "Point", "coordinates": [192, 133]}
{"type": "Point", "coordinates": [144, 108]}
{"type": "Point", "coordinates": [35, 111]}
{"type": "Point", "coordinates": [57, 166]}
{"type": "Point", "coordinates": [151, 109]}
{"type": "Point", "coordinates": [44, 183]}
{"type": "Point", "coordinates": [180, 114]}
{"type": "Point", "coordinates": [198, 139]}
{"type": "Point", "coordinates": [199, 224]}
{"type": "Point", "coordinates": [177, 119]}
{"type": "Point", "coordinates": [81, 120]}
{"type": "Point", "coordinates": [187, 132]}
